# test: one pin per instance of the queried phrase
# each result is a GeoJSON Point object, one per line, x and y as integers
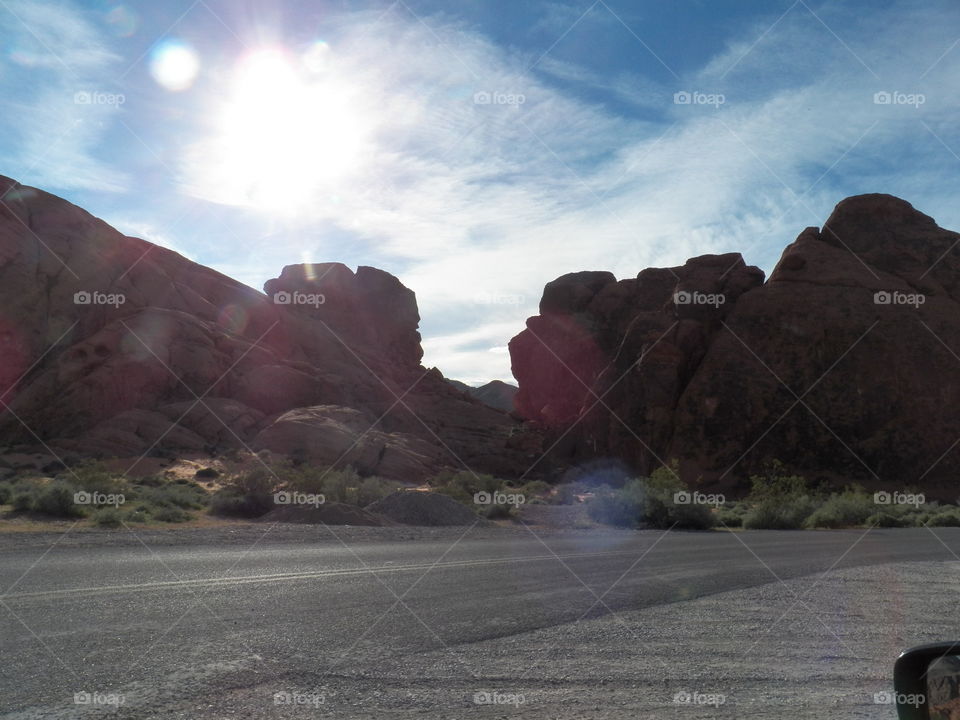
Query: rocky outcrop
{"type": "Point", "coordinates": [843, 365]}
{"type": "Point", "coordinates": [117, 347]}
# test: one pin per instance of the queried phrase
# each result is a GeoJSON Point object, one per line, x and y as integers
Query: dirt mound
{"type": "Point", "coordinates": [423, 508]}
{"type": "Point", "coordinates": [333, 513]}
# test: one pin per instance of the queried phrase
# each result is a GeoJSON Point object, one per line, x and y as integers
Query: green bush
{"type": "Point", "coordinates": [57, 499]}
{"type": "Point", "coordinates": [887, 519]}
{"type": "Point", "coordinates": [780, 513]}
{"type": "Point", "coordinates": [731, 514]}
{"type": "Point", "coordinates": [249, 496]}
{"type": "Point", "coordinates": [107, 517]}
{"type": "Point", "coordinates": [534, 488]}
{"type": "Point", "coordinates": [372, 489]}
{"type": "Point", "coordinates": [649, 503]}
{"type": "Point", "coordinates": [339, 485]}
{"type": "Point", "coordinates": [498, 512]}
{"type": "Point", "coordinates": [93, 476]}
{"type": "Point", "coordinates": [6, 493]}
{"type": "Point", "coordinates": [466, 483]}
{"type": "Point", "coordinates": [23, 500]}
{"type": "Point", "coordinates": [847, 509]}
{"type": "Point", "coordinates": [138, 516]}
{"type": "Point", "coordinates": [171, 515]}
{"type": "Point", "coordinates": [949, 517]}
{"type": "Point", "coordinates": [775, 484]}
{"type": "Point", "coordinates": [174, 495]}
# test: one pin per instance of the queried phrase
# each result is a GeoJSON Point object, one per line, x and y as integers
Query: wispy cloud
{"type": "Point", "coordinates": [464, 198]}
{"type": "Point", "coordinates": [55, 65]}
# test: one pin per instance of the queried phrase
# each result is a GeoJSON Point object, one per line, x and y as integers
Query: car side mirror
{"type": "Point", "coordinates": [926, 681]}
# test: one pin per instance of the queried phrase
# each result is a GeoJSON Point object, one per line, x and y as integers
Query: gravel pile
{"type": "Point", "coordinates": [423, 508]}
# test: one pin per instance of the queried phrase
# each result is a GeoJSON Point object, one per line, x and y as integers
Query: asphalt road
{"type": "Point", "coordinates": [173, 627]}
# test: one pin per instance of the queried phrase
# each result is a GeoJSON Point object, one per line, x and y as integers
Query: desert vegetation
{"type": "Point", "coordinates": [93, 493]}
{"type": "Point", "coordinates": [776, 501]}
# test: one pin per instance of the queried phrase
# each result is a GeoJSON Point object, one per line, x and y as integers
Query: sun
{"type": "Point", "coordinates": [288, 135]}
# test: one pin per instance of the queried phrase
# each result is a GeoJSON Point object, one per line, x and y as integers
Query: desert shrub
{"type": "Point", "coordinates": [248, 495]}
{"type": "Point", "coordinates": [778, 501]}
{"type": "Point", "coordinates": [6, 493]}
{"type": "Point", "coordinates": [138, 516]}
{"type": "Point", "coordinates": [887, 519]}
{"type": "Point", "coordinates": [152, 481]}
{"type": "Point", "coordinates": [465, 483]}
{"type": "Point", "coordinates": [778, 513]}
{"type": "Point", "coordinates": [57, 499]}
{"type": "Point", "coordinates": [775, 484]}
{"type": "Point", "coordinates": [649, 503]}
{"type": "Point", "coordinates": [339, 485]}
{"type": "Point", "coordinates": [534, 488]}
{"type": "Point", "coordinates": [171, 515]}
{"type": "Point", "coordinates": [107, 517]}
{"type": "Point", "coordinates": [565, 494]}
{"type": "Point", "coordinates": [372, 489]}
{"type": "Point", "coordinates": [847, 509]}
{"type": "Point", "coordinates": [181, 496]}
{"type": "Point", "coordinates": [23, 500]}
{"type": "Point", "coordinates": [948, 517]}
{"type": "Point", "coordinates": [731, 514]}
{"type": "Point", "coordinates": [93, 476]}
{"type": "Point", "coordinates": [498, 512]}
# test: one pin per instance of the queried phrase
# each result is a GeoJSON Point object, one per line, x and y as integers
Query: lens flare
{"type": "Point", "coordinates": [174, 65]}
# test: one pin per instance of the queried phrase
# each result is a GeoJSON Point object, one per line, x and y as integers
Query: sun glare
{"type": "Point", "coordinates": [288, 134]}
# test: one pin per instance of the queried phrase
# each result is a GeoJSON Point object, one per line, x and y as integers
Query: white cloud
{"type": "Point", "coordinates": [459, 198]}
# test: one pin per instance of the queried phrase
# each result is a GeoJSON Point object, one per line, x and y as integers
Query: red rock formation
{"type": "Point", "coordinates": [808, 368]}
{"type": "Point", "coordinates": [191, 359]}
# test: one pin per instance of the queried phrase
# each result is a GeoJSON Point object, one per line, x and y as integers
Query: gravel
{"type": "Point", "coordinates": [423, 509]}
{"type": "Point", "coordinates": [812, 647]}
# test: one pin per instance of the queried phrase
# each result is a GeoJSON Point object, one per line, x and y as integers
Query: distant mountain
{"type": "Point", "coordinates": [496, 393]}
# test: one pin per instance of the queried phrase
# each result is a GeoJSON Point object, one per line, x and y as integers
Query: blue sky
{"type": "Point", "coordinates": [478, 149]}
